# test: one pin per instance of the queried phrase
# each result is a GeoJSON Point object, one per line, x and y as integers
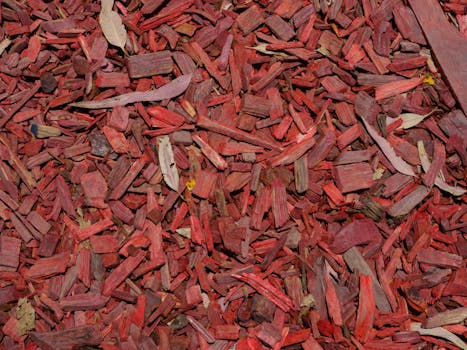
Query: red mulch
{"type": "Point", "coordinates": [190, 174]}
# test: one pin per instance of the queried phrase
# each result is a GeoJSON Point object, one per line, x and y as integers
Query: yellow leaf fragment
{"type": "Point", "coordinates": [378, 174]}
{"type": "Point", "coordinates": [323, 50]}
{"type": "Point", "coordinates": [80, 218]}
{"type": "Point", "coordinates": [429, 79]}
{"type": "Point", "coordinates": [26, 316]}
{"type": "Point", "coordinates": [190, 184]}
{"type": "Point", "coordinates": [184, 232]}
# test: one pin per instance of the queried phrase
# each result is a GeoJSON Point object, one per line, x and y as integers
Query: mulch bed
{"type": "Point", "coordinates": [190, 174]}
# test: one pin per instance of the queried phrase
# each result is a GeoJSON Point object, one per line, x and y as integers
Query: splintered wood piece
{"type": "Point", "coordinates": [228, 332]}
{"type": "Point", "coordinates": [48, 244]}
{"type": "Point", "coordinates": [201, 330]}
{"type": "Point", "coordinates": [274, 71]}
{"type": "Point", "coordinates": [9, 251]}
{"type": "Point", "coordinates": [38, 222]}
{"type": "Point", "coordinates": [95, 189]}
{"type": "Point", "coordinates": [322, 149]}
{"type": "Point", "coordinates": [210, 153]}
{"type": "Point", "coordinates": [18, 165]}
{"type": "Point", "coordinates": [210, 66]}
{"type": "Point", "coordinates": [22, 230]}
{"type": "Point", "coordinates": [380, 63]}
{"type": "Point", "coordinates": [112, 79]}
{"type": "Point", "coordinates": [163, 114]}
{"type": "Point", "coordinates": [234, 133]}
{"type": "Point", "coordinates": [89, 301]}
{"type": "Point", "coordinates": [332, 300]}
{"type": "Point", "coordinates": [410, 201]}
{"type": "Point", "coordinates": [280, 27]}
{"type": "Point", "coordinates": [93, 229]}
{"type": "Point", "coordinates": [205, 183]}
{"type": "Point", "coordinates": [256, 105]}
{"type": "Point", "coordinates": [147, 65]}
{"type": "Point", "coordinates": [116, 139]}
{"type": "Point", "coordinates": [64, 195]}
{"type": "Point", "coordinates": [353, 177]}
{"type": "Point", "coordinates": [366, 309]}
{"type": "Point", "coordinates": [46, 267]}
{"type": "Point", "coordinates": [454, 316]}
{"type": "Point", "coordinates": [123, 185]}
{"type": "Point", "coordinates": [267, 289]}
{"type": "Point", "coordinates": [119, 118]}
{"type": "Point", "coordinates": [292, 153]}
{"type": "Point", "coordinates": [355, 233]}
{"type": "Point", "coordinates": [67, 339]}
{"type": "Point", "coordinates": [407, 24]}
{"type": "Point", "coordinates": [439, 258]}
{"type": "Point", "coordinates": [301, 174]}
{"type": "Point", "coordinates": [268, 333]}
{"type": "Point", "coordinates": [83, 263]}
{"type": "Point", "coordinates": [279, 203]}
{"type": "Point", "coordinates": [250, 19]}
{"type": "Point", "coordinates": [448, 45]}
{"type": "Point", "coordinates": [119, 274]}
{"type": "Point", "coordinates": [104, 244]}
{"type": "Point", "coordinates": [333, 193]}
{"type": "Point", "coordinates": [357, 263]}
{"type": "Point", "coordinates": [351, 157]}
{"type": "Point", "coordinates": [30, 92]}
{"type": "Point", "coordinates": [396, 87]}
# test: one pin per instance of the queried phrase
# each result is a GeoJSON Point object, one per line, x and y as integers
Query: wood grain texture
{"type": "Point", "coordinates": [448, 45]}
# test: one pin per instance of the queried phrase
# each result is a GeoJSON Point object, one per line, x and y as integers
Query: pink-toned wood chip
{"type": "Point", "coordinates": [366, 309]}
{"type": "Point", "coordinates": [47, 267]}
{"type": "Point", "coordinates": [86, 232]}
{"type": "Point", "coordinates": [166, 116]}
{"type": "Point", "coordinates": [95, 189]}
{"type": "Point", "coordinates": [112, 79]}
{"type": "Point", "coordinates": [89, 301]}
{"type": "Point", "coordinates": [116, 139]}
{"type": "Point", "coordinates": [210, 153]}
{"type": "Point", "coordinates": [119, 118]}
{"type": "Point", "coordinates": [104, 244]}
{"type": "Point", "coordinates": [250, 19]}
{"type": "Point", "coordinates": [355, 233]}
{"type": "Point", "coordinates": [279, 203]}
{"type": "Point", "coordinates": [353, 177]}
{"type": "Point", "coordinates": [266, 289]}
{"type": "Point", "coordinates": [396, 88]}
{"type": "Point", "coordinates": [147, 65]}
{"type": "Point", "coordinates": [38, 222]}
{"type": "Point", "coordinates": [9, 251]}
{"type": "Point", "coordinates": [119, 274]}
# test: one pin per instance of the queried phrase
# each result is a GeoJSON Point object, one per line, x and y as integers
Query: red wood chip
{"type": "Point", "coordinates": [95, 189]}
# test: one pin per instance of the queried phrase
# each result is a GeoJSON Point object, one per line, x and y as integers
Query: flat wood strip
{"type": "Point", "coordinates": [448, 45]}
